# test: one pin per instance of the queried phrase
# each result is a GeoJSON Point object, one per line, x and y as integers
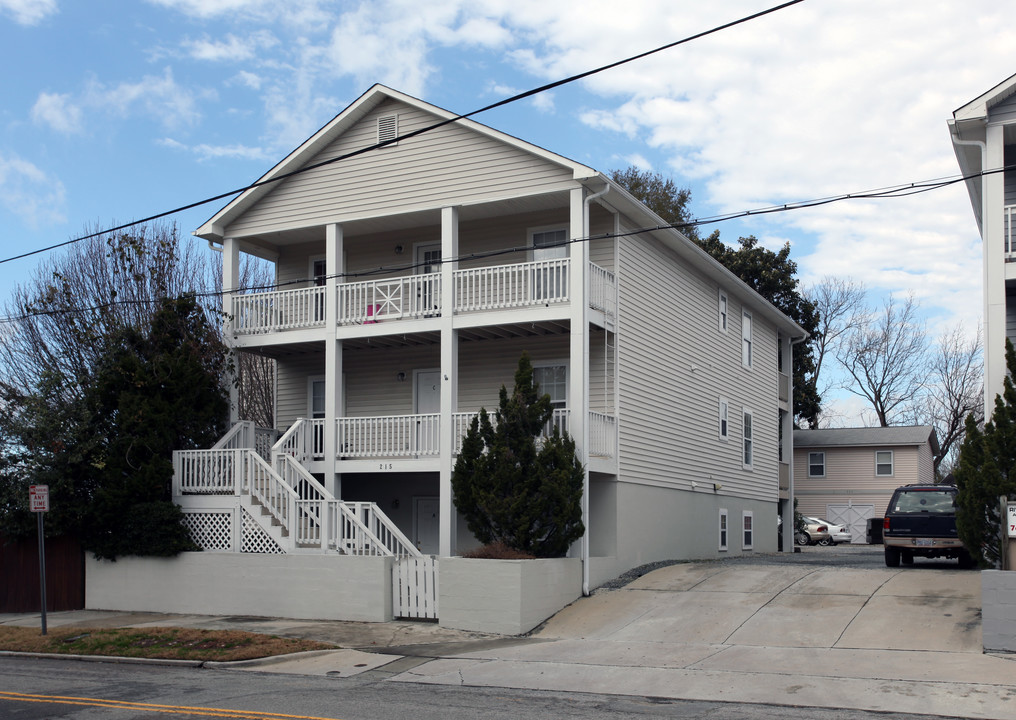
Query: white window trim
{"type": "Point", "coordinates": [750, 533]}
{"type": "Point", "coordinates": [530, 243]}
{"type": "Point", "coordinates": [723, 527]}
{"type": "Point", "coordinates": [567, 376]}
{"type": "Point", "coordinates": [747, 340]}
{"type": "Point", "coordinates": [810, 463]}
{"type": "Point", "coordinates": [310, 393]}
{"type": "Point", "coordinates": [747, 438]}
{"type": "Point", "coordinates": [892, 464]}
{"type": "Point", "coordinates": [723, 310]}
{"type": "Point", "coordinates": [723, 420]}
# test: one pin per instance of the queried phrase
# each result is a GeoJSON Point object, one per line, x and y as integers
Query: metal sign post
{"type": "Point", "coordinates": [38, 497]}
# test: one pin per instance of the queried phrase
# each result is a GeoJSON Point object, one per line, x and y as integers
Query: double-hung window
{"type": "Point", "coordinates": [746, 435]}
{"type": "Point", "coordinates": [723, 303]}
{"type": "Point", "coordinates": [747, 524]}
{"type": "Point", "coordinates": [816, 464]}
{"type": "Point", "coordinates": [553, 380]}
{"type": "Point", "coordinates": [550, 278]}
{"type": "Point", "coordinates": [746, 341]}
{"type": "Point", "coordinates": [723, 528]}
{"type": "Point", "coordinates": [724, 412]}
{"type": "Point", "coordinates": [884, 463]}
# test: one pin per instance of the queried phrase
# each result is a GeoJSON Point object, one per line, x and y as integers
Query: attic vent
{"type": "Point", "coordinates": [387, 128]}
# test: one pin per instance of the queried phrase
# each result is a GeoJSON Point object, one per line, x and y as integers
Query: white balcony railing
{"type": "Point", "coordinates": [389, 436]}
{"type": "Point", "coordinates": [265, 312]}
{"type": "Point", "coordinates": [1009, 237]}
{"type": "Point", "coordinates": [415, 296]}
{"type": "Point", "coordinates": [602, 430]}
{"type": "Point", "coordinates": [602, 290]}
{"type": "Point", "coordinates": [499, 287]}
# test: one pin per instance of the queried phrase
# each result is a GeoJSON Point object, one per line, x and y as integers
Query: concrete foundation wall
{"type": "Point", "coordinates": [509, 597]}
{"type": "Point", "coordinates": [998, 610]}
{"type": "Point", "coordinates": [326, 587]}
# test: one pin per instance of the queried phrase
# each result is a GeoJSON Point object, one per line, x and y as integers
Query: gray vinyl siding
{"type": "Point", "coordinates": [1010, 317]}
{"type": "Point", "coordinates": [674, 364]}
{"type": "Point", "coordinates": [450, 165]}
{"type": "Point", "coordinates": [601, 250]}
{"type": "Point", "coordinates": [372, 385]}
{"type": "Point", "coordinates": [486, 365]}
{"type": "Point", "coordinates": [291, 400]}
{"type": "Point", "coordinates": [850, 476]}
{"type": "Point", "coordinates": [1009, 183]}
{"type": "Point", "coordinates": [1004, 112]}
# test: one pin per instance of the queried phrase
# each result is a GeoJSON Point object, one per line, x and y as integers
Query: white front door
{"type": "Point", "coordinates": [427, 401]}
{"type": "Point", "coordinates": [425, 524]}
{"type": "Point", "coordinates": [428, 260]}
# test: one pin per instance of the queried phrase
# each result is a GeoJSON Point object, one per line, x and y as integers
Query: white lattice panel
{"type": "Point", "coordinates": [210, 530]}
{"type": "Point", "coordinates": [255, 539]}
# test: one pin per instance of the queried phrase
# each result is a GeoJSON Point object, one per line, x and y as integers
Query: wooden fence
{"type": "Point", "coordinates": [19, 575]}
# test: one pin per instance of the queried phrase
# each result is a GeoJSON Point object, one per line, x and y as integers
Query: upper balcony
{"type": "Point", "coordinates": [498, 288]}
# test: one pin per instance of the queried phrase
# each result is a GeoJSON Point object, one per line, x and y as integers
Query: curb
{"type": "Point", "coordinates": [107, 658]}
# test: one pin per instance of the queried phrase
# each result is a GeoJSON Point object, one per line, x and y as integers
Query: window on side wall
{"type": "Point", "coordinates": [816, 464]}
{"type": "Point", "coordinates": [746, 341]}
{"type": "Point", "coordinates": [748, 539]}
{"type": "Point", "coordinates": [884, 463]}
{"type": "Point", "coordinates": [723, 311]}
{"type": "Point", "coordinates": [724, 425]}
{"type": "Point", "coordinates": [723, 529]}
{"type": "Point", "coordinates": [746, 435]}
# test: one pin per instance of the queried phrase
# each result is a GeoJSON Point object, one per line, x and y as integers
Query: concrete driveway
{"type": "Point", "coordinates": [898, 640]}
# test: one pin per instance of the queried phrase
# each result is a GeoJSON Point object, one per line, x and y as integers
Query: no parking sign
{"type": "Point", "coordinates": [38, 498]}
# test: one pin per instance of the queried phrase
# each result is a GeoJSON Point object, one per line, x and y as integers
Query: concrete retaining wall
{"type": "Point", "coordinates": [998, 610]}
{"type": "Point", "coordinates": [325, 587]}
{"type": "Point", "coordinates": [510, 597]}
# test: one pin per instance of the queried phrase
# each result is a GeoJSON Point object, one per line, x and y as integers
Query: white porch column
{"type": "Point", "coordinates": [449, 378]}
{"type": "Point", "coordinates": [993, 247]}
{"type": "Point", "coordinates": [333, 356]}
{"type": "Point", "coordinates": [578, 366]}
{"type": "Point", "coordinates": [230, 283]}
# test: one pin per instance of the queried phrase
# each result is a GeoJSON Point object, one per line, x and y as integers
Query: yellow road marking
{"type": "Point", "coordinates": [149, 707]}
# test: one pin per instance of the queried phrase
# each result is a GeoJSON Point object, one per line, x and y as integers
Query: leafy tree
{"type": "Point", "coordinates": [771, 274]}
{"type": "Point", "coordinates": [105, 450]}
{"type": "Point", "coordinates": [511, 490]}
{"type": "Point", "coordinates": [987, 470]}
{"type": "Point", "coordinates": [660, 194]}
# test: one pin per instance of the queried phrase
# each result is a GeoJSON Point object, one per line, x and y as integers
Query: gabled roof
{"type": "Point", "coordinates": [867, 436]}
{"type": "Point", "coordinates": [979, 106]}
{"type": "Point", "coordinates": [212, 229]}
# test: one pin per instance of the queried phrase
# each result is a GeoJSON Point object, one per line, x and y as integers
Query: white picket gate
{"type": "Point", "coordinates": [414, 587]}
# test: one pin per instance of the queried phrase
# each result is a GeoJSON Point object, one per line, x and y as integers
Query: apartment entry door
{"type": "Point", "coordinates": [427, 401]}
{"type": "Point", "coordinates": [428, 261]}
{"type": "Point", "coordinates": [425, 524]}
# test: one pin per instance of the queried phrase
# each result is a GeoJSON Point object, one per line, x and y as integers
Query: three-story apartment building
{"type": "Point", "coordinates": [411, 278]}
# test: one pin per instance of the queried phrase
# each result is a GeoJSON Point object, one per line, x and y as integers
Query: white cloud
{"type": "Point", "coordinates": [544, 102]}
{"type": "Point", "coordinates": [215, 152]}
{"type": "Point", "coordinates": [29, 193]}
{"type": "Point", "coordinates": [232, 48]}
{"type": "Point", "coordinates": [58, 112]}
{"type": "Point", "coordinates": [306, 14]}
{"type": "Point", "coordinates": [28, 12]}
{"type": "Point", "coordinates": [248, 79]}
{"type": "Point", "coordinates": [158, 96]}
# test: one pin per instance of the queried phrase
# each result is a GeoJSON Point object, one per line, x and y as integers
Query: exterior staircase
{"type": "Point", "coordinates": [271, 503]}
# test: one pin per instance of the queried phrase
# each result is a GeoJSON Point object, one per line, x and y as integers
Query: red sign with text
{"type": "Point", "coordinates": [38, 498]}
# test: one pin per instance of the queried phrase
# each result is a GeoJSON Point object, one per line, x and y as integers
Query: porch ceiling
{"type": "Point", "coordinates": [529, 329]}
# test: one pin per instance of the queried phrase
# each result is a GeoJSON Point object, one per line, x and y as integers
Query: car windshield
{"type": "Point", "coordinates": [924, 501]}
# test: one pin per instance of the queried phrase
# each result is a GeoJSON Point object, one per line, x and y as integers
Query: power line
{"type": "Point", "coordinates": [415, 133]}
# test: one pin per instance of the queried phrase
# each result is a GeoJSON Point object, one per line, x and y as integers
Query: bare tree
{"type": "Point", "coordinates": [841, 309]}
{"type": "Point", "coordinates": [954, 390]}
{"type": "Point", "coordinates": [887, 359]}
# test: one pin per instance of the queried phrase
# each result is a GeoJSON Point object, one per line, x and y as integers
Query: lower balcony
{"type": "Point", "coordinates": [415, 437]}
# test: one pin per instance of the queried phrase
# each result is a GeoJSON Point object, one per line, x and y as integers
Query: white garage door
{"type": "Point", "coordinates": [855, 517]}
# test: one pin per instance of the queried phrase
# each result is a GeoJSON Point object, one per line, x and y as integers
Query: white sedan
{"type": "Point", "coordinates": [837, 533]}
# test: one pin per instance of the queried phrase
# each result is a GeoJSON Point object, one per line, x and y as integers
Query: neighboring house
{"type": "Point", "coordinates": [847, 475]}
{"type": "Point", "coordinates": [412, 277]}
{"type": "Point", "coordinates": [984, 139]}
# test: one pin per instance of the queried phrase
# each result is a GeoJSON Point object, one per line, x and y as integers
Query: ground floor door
{"type": "Point", "coordinates": [855, 517]}
{"type": "Point", "coordinates": [426, 526]}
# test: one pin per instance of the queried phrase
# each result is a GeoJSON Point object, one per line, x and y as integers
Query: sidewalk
{"type": "Point", "coordinates": [880, 640]}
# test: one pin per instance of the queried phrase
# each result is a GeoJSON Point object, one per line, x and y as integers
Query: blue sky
{"type": "Point", "coordinates": [115, 110]}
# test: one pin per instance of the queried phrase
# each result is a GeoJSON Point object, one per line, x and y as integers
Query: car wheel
{"type": "Point", "coordinates": [826, 542]}
{"type": "Point", "coordinates": [892, 557]}
{"type": "Point", "coordinates": [802, 538]}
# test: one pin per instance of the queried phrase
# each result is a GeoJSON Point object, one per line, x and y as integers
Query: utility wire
{"type": "Point", "coordinates": [420, 131]}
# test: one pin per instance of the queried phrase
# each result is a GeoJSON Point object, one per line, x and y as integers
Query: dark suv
{"type": "Point", "coordinates": [921, 521]}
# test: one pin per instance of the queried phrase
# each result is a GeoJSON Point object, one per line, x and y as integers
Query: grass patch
{"type": "Point", "coordinates": [155, 642]}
